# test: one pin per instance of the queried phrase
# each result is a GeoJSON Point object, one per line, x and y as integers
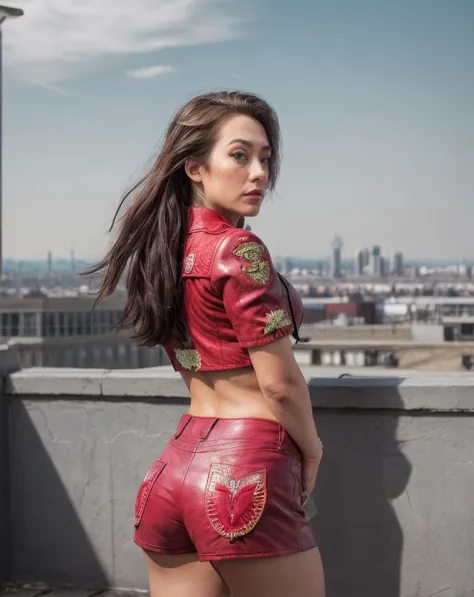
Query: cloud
{"type": "Point", "coordinates": [58, 39]}
{"type": "Point", "coordinates": [149, 72]}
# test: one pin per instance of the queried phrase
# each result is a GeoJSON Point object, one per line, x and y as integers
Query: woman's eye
{"type": "Point", "coordinates": [266, 160]}
{"type": "Point", "coordinates": [239, 156]}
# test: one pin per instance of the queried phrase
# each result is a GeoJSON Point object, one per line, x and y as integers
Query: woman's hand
{"type": "Point", "coordinates": [309, 472]}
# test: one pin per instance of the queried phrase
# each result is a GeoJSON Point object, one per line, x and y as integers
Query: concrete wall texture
{"type": "Point", "coordinates": [395, 490]}
{"type": "Point", "coordinates": [4, 488]}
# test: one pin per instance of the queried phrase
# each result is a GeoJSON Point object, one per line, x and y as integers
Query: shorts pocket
{"type": "Point", "coordinates": [235, 499]}
{"type": "Point", "coordinates": [145, 489]}
{"type": "Point", "coordinates": [295, 466]}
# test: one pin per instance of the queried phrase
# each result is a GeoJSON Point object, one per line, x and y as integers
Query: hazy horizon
{"type": "Point", "coordinates": [314, 261]}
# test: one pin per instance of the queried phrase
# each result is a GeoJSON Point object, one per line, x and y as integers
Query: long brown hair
{"type": "Point", "coordinates": [150, 239]}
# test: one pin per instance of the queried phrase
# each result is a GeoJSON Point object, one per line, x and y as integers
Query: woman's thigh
{"type": "Point", "coordinates": [183, 576]}
{"type": "Point", "coordinates": [300, 574]}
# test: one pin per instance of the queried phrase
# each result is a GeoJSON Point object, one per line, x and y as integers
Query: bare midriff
{"type": "Point", "coordinates": [226, 394]}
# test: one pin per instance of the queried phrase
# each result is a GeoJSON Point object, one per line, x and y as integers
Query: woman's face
{"type": "Point", "coordinates": [235, 177]}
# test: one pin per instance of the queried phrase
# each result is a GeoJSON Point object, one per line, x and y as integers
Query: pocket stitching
{"type": "Point", "coordinates": [146, 488]}
{"type": "Point", "coordinates": [297, 473]}
{"type": "Point", "coordinates": [222, 474]}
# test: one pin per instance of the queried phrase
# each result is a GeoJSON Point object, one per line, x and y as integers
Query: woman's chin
{"type": "Point", "coordinates": [250, 211]}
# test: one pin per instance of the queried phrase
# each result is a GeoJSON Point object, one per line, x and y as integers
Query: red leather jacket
{"type": "Point", "coordinates": [233, 297]}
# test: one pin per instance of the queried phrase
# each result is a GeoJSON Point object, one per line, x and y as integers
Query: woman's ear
{"type": "Point", "coordinates": [193, 170]}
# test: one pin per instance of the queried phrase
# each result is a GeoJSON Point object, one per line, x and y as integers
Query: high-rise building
{"type": "Point", "coordinates": [50, 263]}
{"type": "Point", "coordinates": [336, 260]}
{"type": "Point", "coordinates": [366, 257]}
{"type": "Point", "coordinates": [362, 259]}
{"type": "Point", "coordinates": [384, 267]}
{"type": "Point", "coordinates": [376, 261]}
{"type": "Point", "coordinates": [397, 264]}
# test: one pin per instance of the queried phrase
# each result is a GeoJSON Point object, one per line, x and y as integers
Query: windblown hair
{"type": "Point", "coordinates": [150, 240]}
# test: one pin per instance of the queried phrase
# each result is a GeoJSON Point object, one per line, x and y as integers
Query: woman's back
{"type": "Point", "coordinates": [226, 394]}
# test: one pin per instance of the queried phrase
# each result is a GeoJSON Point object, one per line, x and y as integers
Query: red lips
{"type": "Point", "coordinates": [254, 194]}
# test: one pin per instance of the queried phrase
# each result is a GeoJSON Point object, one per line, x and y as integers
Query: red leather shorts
{"type": "Point", "coordinates": [224, 488]}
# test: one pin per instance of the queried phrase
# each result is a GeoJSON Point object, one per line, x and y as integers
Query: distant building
{"type": "Point", "coordinates": [50, 263]}
{"type": "Point", "coordinates": [71, 332]}
{"type": "Point", "coordinates": [397, 264]}
{"type": "Point", "coordinates": [384, 267]}
{"type": "Point", "coordinates": [376, 261]}
{"type": "Point", "coordinates": [336, 260]}
{"type": "Point", "coordinates": [38, 316]}
{"type": "Point", "coordinates": [361, 261]}
{"type": "Point", "coordinates": [366, 257]}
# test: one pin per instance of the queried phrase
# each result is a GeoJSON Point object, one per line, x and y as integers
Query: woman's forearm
{"type": "Point", "coordinates": [291, 406]}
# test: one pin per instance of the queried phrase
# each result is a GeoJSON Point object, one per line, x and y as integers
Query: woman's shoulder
{"type": "Point", "coordinates": [204, 253]}
{"type": "Point", "coordinates": [241, 252]}
{"type": "Point", "coordinates": [237, 243]}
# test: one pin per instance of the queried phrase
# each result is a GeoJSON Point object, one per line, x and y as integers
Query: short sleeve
{"type": "Point", "coordinates": [244, 278]}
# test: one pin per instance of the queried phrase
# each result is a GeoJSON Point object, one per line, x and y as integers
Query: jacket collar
{"type": "Point", "coordinates": [204, 218]}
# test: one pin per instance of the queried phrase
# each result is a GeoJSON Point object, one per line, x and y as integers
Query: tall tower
{"type": "Point", "coordinates": [376, 261]}
{"type": "Point", "coordinates": [397, 264]}
{"type": "Point", "coordinates": [361, 261]}
{"type": "Point", "coordinates": [336, 259]}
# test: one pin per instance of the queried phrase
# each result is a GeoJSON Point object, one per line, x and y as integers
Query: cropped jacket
{"type": "Point", "coordinates": [234, 299]}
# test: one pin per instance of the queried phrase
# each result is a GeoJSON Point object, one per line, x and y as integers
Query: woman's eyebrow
{"type": "Point", "coordinates": [247, 143]}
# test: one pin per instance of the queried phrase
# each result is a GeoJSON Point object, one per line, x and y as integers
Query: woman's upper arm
{"type": "Point", "coordinates": [276, 368]}
{"type": "Point", "coordinates": [244, 276]}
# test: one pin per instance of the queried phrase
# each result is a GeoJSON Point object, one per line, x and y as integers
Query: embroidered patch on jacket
{"type": "Point", "coordinates": [189, 263]}
{"type": "Point", "coordinates": [276, 320]}
{"type": "Point", "coordinates": [188, 358]}
{"type": "Point", "coordinates": [258, 268]}
{"type": "Point", "coordinates": [234, 505]}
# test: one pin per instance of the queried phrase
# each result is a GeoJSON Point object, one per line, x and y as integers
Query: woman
{"type": "Point", "coordinates": [221, 511]}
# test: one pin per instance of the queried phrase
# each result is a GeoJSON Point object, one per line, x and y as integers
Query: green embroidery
{"type": "Point", "coordinates": [189, 263]}
{"type": "Point", "coordinates": [188, 358]}
{"type": "Point", "coordinates": [259, 268]}
{"type": "Point", "coordinates": [251, 252]}
{"type": "Point", "coordinates": [276, 320]}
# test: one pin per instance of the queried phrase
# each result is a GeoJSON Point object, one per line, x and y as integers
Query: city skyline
{"type": "Point", "coordinates": [378, 130]}
{"type": "Point", "coordinates": [345, 256]}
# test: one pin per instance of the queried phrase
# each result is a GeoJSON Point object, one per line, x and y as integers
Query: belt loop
{"type": "Point", "coordinates": [210, 428]}
{"type": "Point", "coordinates": [281, 436]}
{"type": "Point", "coordinates": [181, 428]}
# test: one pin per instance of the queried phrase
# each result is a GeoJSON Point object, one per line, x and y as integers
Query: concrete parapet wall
{"type": "Point", "coordinates": [412, 356]}
{"type": "Point", "coordinates": [357, 332]}
{"type": "Point", "coordinates": [394, 492]}
{"type": "Point", "coordinates": [9, 362]}
{"type": "Point", "coordinates": [4, 487]}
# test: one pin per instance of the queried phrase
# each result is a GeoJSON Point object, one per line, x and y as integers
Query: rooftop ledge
{"type": "Point", "coordinates": [330, 387]}
{"type": "Point", "coordinates": [394, 493]}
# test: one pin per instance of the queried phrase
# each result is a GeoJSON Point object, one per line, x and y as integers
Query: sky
{"type": "Point", "coordinates": [375, 100]}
